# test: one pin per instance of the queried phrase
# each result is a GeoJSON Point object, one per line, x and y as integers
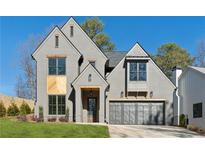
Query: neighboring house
{"type": "Point", "coordinates": [191, 86]}
{"type": "Point", "coordinates": [113, 87]}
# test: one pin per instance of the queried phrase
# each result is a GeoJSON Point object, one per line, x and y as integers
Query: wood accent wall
{"type": "Point", "coordinates": [56, 85]}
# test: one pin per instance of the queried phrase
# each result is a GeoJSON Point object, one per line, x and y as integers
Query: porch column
{"type": "Point", "coordinates": [78, 105]}
{"type": "Point", "coordinates": [102, 106]}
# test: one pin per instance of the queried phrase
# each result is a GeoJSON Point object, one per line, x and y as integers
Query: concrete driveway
{"type": "Point", "coordinates": [150, 131]}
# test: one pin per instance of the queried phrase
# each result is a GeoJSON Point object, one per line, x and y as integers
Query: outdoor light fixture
{"type": "Point", "coordinates": [151, 94]}
{"type": "Point", "coordinates": [89, 78]}
{"type": "Point", "coordinates": [121, 94]}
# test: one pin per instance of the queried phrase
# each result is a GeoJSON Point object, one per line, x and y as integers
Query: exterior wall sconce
{"type": "Point", "coordinates": [89, 78]}
{"type": "Point", "coordinates": [121, 94]}
{"type": "Point", "coordinates": [151, 94]}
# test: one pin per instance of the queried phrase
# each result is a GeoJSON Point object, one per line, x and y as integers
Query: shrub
{"type": "Point", "coordinates": [52, 119]}
{"type": "Point", "coordinates": [25, 109]}
{"type": "Point", "coordinates": [63, 119]}
{"type": "Point", "coordinates": [13, 110]}
{"type": "Point", "coordinates": [182, 120]}
{"type": "Point", "coordinates": [22, 118]}
{"type": "Point", "coordinates": [201, 131]}
{"type": "Point", "coordinates": [2, 109]}
{"type": "Point", "coordinates": [193, 128]}
{"type": "Point", "coordinates": [40, 119]}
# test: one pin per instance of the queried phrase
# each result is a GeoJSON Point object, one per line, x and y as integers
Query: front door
{"type": "Point", "coordinates": [92, 109]}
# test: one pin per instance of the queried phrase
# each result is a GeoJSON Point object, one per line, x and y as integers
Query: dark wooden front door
{"type": "Point", "coordinates": [92, 109]}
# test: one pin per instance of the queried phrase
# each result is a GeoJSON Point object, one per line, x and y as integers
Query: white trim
{"type": "Point", "coordinates": [131, 99]}
{"type": "Point", "coordinates": [51, 33]}
{"type": "Point", "coordinates": [71, 18]}
{"type": "Point", "coordinates": [137, 58]}
{"type": "Point", "coordinates": [89, 65]}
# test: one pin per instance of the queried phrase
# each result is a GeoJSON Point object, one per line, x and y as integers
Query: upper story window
{"type": "Point", "coordinates": [138, 71]}
{"type": "Point", "coordinates": [56, 41]}
{"type": "Point", "coordinates": [71, 31]}
{"type": "Point", "coordinates": [56, 66]}
{"type": "Point", "coordinates": [197, 110]}
{"type": "Point", "coordinates": [92, 63]}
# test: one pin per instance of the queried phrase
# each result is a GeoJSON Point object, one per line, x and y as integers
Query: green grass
{"type": "Point", "coordinates": [15, 129]}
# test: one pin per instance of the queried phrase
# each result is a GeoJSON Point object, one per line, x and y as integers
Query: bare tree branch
{"type": "Point", "coordinates": [200, 59]}
{"type": "Point", "coordinates": [28, 67]}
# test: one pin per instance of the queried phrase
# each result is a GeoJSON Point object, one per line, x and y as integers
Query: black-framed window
{"type": "Point", "coordinates": [133, 71]}
{"type": "Point", "coordinates": [56, 66]}
{"type": "Point", "coordinates": [56, 41]}
{"type": "Point", "coordinates": [71, 31]}
{"type": "Point", "coordinates": [197, 110]}
{"type": "Point", "coordinates": [56, 104]}
{"type": "Point", "coordinates": [138, 71]}
{"type": "Point", "coordinates": [61, 104]}
{"type": "Point", "coordinates": [142, 71]}
{"type": "Point", "coordinates": [52, 104]}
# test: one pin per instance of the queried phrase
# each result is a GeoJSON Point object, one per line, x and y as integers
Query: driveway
{"type": "Point", "coordinates": [150, 131]}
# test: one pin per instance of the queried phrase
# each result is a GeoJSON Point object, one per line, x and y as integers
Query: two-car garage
{"type": "Point", "coordinates": [137, 112]}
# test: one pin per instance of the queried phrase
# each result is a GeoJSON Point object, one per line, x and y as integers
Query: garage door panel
{"type": "Point", "coordinates": [140, 119]}
{"type": "Point", "coordinates": [115, 113]}
{"type": "Point", "coordinates": [130, 113]}
{"type": "Point", "coordinates": [146, 114]}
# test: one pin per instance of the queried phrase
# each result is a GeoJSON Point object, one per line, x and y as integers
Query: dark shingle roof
{"type": "Point", "coordinates": [115, 57]}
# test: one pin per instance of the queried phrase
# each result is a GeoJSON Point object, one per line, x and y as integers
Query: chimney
{"type": "Point", "coordinates": [176, 72]}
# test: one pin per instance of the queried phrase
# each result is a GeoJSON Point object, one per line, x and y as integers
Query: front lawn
{"type": "Point", "coordinates": [15, 129]}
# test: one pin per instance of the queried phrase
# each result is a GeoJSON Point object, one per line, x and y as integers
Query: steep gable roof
{"type": "Point", "coordinates": [50, 34]}
{"type": "Point", "coordinates": [71, 19]}
{"type": "Point", "coordinates": [85, 69]}
{"type": "Point", "coordinates": [142, 53]}
{"type": "Point", "coordinates": [137, 50]}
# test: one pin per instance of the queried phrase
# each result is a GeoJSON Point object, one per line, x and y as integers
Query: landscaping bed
{"type": "Point", "coordinates": [11, 128]}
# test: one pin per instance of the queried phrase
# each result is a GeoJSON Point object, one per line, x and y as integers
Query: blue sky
{"type": "Point", "coordinates": [150, 32]}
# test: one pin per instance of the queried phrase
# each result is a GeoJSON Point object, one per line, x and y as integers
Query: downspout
{"type": "Point", "coordinates": [178, 104]}
{"type": "Point", "coordinates": [105, 110]}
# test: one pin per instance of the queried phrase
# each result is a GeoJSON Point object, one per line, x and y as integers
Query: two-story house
{"type": "Point", "coordinates": [113, 87]}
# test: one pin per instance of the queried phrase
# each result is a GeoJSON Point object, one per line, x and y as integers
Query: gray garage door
{"type": "Point", "coordinates": [136, 113]}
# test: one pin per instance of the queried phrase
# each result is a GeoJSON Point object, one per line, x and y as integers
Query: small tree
{"type": "Point", "coordinates": [67, 113]}
{"type": "Point", "coordinates": [32, 111]}
{"type": "Point", "coordinates": [2, 109]}
{"type": "Point", "coordinates": [182, 120]}
{"type": "Point", "coordinates": [13, 110]}
{"type": "Point", "coordinates": [24, 108]}
{"type": "Point", "coordinates": [40, 112]}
